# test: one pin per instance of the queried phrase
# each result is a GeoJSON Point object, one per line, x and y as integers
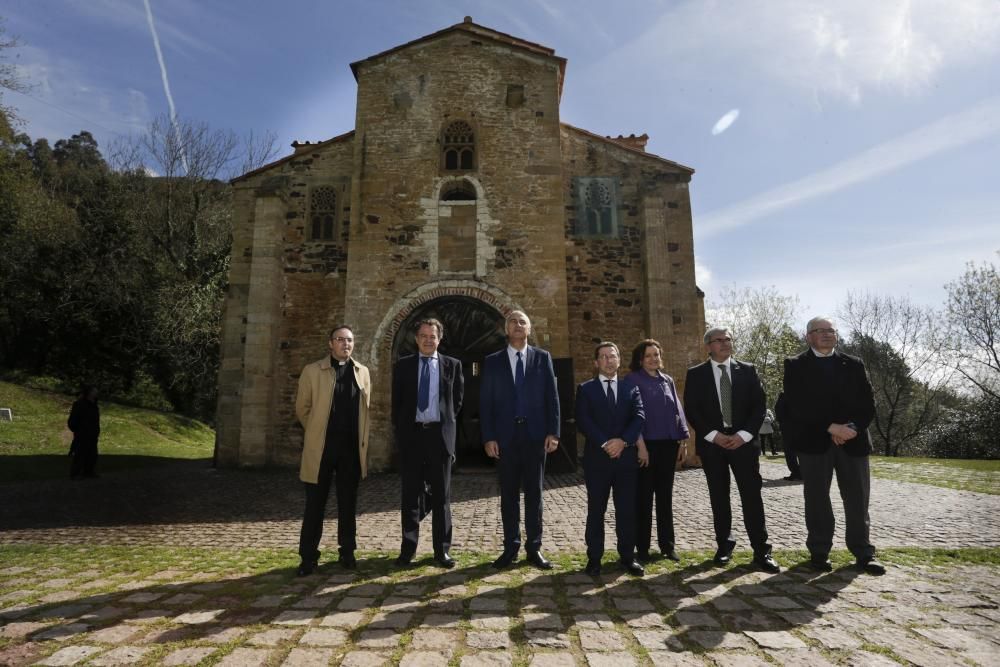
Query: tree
{"type": "Point", "coordinates": [897, 341]}
{"type": "Point", "coordinates": [762, 323]}
{"type": "Point", "coordinates": [973, 319]}
{"type": "Point", "coordinates": [9, 80]}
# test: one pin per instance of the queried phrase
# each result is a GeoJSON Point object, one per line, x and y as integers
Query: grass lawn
{"type": "Point", "coordinates": [36, 443]}
{"type": "Point", "coordinates": [981, 476]}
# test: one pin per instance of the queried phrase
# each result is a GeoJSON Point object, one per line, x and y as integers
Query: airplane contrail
{"type": "Point", "coordinates": [166, 83]}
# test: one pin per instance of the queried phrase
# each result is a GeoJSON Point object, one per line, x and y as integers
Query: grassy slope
{"type": "Point", "coordinates": [35, 444]}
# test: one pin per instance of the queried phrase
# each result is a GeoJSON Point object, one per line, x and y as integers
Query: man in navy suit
{"type": "Point", "coordinates": [427, 391]}
{"type": "Point", "coordinates": [724, 401]}
{"type": "Point", "coordinates": [519, 420]}
{"type": "Point", "coordinates": [829, 405]}
{"type": "Point", "coordinates": [609, 414]}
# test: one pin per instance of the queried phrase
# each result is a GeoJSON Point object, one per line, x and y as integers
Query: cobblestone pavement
{"type": "Point", "coordinates": [192, 505]}
{"type": "Point", "coordinates": [120, 609]}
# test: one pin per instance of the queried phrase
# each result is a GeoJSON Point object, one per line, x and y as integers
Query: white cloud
{"type": "Point", "coordinates": [702, 274]}
{"type": "Point", "coordinates": [723, 123]}
{"type": "Point", "coordinates": [947, 133]}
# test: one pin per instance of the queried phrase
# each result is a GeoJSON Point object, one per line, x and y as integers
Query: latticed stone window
{"type": "Point", "coordinates": [323, 213]}
{"type": "Point", "coordinates": [596, 207]}
{"type": "Point", "coordinates": [459, 147]}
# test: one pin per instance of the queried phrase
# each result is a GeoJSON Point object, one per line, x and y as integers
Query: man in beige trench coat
{"type": "Point", "coordinates": [332, 404]}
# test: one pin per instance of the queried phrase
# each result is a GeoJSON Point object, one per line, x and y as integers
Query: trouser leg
{"type": "Point", "coordinates": [645, 485]}
{"type": "Point", "coordinates": [312, 520]}
{"type": "Point", "coordinates": [817, 475]}
{"type": "Point", "coordinates": [664, 487]}
{"type": "Point", "coordinates": [437, 472]}
{"type": "Point", "coordinates": [624, 494]}
{"type": "Point", "coordinates": [745, 463]}
{"type": "Point", "coordinates": [533, 477]}
{"type": "Point", "coordinates": [716, 468]}
{"type": "Point", "coordinates": [598, 483]}
{"type": "Point", "coordinates": [854, 480]}
{"type": "Point", "coordinates": [348, 478]}
{"type": "Point", "coordinates": [510, 499]}
{"type": "Point", "coordinates": [411, 489]}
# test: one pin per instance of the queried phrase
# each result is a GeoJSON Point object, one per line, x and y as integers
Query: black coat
{"type": "Point", "coordinates": [701, 400]}
{"type": "Point", "coordinates": [85, 423]}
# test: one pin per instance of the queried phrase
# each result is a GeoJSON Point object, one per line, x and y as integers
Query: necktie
{"type": "Point", "coordinates": [726, 396]}
{"type": "Point", "coordinates": [424, 386]}
{"type": "Point", "coordinates": [519, 385]}
{"type": "Point", "coordinates": [611, 395]}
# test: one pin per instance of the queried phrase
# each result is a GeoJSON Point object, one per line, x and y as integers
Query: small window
{"type": "Point", "coordinates": [459, 191]}
{"type": "Point", "coordinates": [323, 213]}
{"type": "Point", "coordinates": [596, 207]}
{"type": "Point", "coordinates": [515, 96]}
{"type": "Point", "coordinates": [459, 147]}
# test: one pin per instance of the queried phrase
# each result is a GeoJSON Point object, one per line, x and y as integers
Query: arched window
{"type": "Point", "coordinates": [459, 147]}
{"type": "Point", "coordinates": [458, 191]}
{"type": "Point", "coordinates": [323, 213]}
{"type": "Point", "coordinates": [597, 209]}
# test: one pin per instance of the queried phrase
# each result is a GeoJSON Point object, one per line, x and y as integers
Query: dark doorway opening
{"type": "Point", "coordinates": [472, 330]}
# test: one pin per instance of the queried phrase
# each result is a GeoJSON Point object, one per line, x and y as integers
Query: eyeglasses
{"type": "Point", "coordinates": [823, 331]}
{"type": "Point", "coordinates": [341, 339]}
{"type": "Point", "coordinates": [721, 340]}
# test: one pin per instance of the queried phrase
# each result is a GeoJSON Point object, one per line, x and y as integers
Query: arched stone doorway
{"type": "Point", "coordinates": [472, 330]}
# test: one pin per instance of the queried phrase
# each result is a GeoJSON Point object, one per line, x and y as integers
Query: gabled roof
{"type": "Point", "coordinates": [298, 149]}
{"type": "Point", "coordinates": [624, 147]}
{"type": "Point", "coordinates": [481, 32]}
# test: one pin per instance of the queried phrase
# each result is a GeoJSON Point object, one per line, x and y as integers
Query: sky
{"type": "Point", "coordinates": [838, 146]}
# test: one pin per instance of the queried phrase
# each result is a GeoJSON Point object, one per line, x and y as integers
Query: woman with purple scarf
{"type": "Point", "coordinates": [661, 447]}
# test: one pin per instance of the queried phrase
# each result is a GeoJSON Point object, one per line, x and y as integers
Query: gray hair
{"type": "Point", "coordinates": [820, 318]}
{"type": "Point", "coordinates": [716, 330]}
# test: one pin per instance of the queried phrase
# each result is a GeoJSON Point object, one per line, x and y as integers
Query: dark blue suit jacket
{"type": "Point", "coordinates": [451, 390]}
{"type": "Point", "coordinates": [496, 397]}
{"type": "Point", "coordinates": [598, 424]}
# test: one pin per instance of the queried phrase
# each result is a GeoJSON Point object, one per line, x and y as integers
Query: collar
{"type": "Point", "coordinates": [512, 351]}
{"type": "Point", "coordinates": [605, 378]}
{"type": "Point", "coordinates": [728, 363]}
{"type": "Point", "coordinates": [433, 356]}
{"type": "Point", "coordinates": [820, 355]}
{"type": "Point", "coordinates": [334, 362]}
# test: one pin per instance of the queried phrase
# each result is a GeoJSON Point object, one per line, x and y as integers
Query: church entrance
{"type": "Point", "coordinates": [472, 330]}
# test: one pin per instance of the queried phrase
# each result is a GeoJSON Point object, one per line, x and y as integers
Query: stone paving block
{"type": "Point", "coordinates": [223, 635]}
{"type": "Point", "coordinates": [355, 604]}
{"type": "Point", "coordinates": [867, 659]}
{"type": "Point", "coordinates": [954, 638]}
{"type": "Point", "coordinates": [619, 659]}
{"type": "Point", "coordinates": [960, 600]}
{"type": "Point", "coordinates": [142, 598]}
{"type": "Point", "coordinates": [491, 621]}
{"type": "Point", "coordinates": [324, 637]}
{"type": "Point", "coordinates": [488, 603]}
{"type": "Point", "coordinates": [717, 639]}
{"type": "Point", "coordinates": [343, 619]}
{"type": "Point", "coordinates": [295, 617]}
{"type": "Point", "coordinates": [601, 640]}
{"type": "Point", "coordinates": [708, 589]}
{"type": "Point", "coordinates": [777, 602]}
{"type": "Point", "coordinates": [269, 601]}
{"type": "Point", "coordinates": [54, 583]}
{"type": "Point", "coordinates": [800, 658]}
{"type": "Point", "coordinates": [633, 604]}
{"type": "Point", "coordinates": [104, 614]}
{"type": "Point", "coordinates": [424, 659]}
{"type": "Point", "coordinates": [775, 639]}
{"type": "Point", "coordinates": [397, 603]}
{"type": "Point", "coordinates": [964, 619]}
{"type": "Point", "coordinates": [593, 621]}
{"type": "Point", "coordinates": [552, 660]}
{"type": "Point", "coordinates": [736, 660]}
{"type": "Point", "coordinates": [186, 599]}
{"type": "Point", "coordinates": [434, 640]}
{"type": "Point", "coordinates": [487, 659]}
{"type": "Point", "coordinates": [392, 619]}
{"type": "Point", "coordinates": [538, 604]}
{"type": "Point", "coordinates": [366, 659]}
{"type": "Point", "coordinates": [586, 603]}
{"type": "Point", "coordinates": [16, 611]}
{"type": "Point", "coordinates": [730, 603]}
{"type": "Point", "coordinates": [751, 620]}
{"type": "Point", "coordinates": [487, 639]}
{"type": "Point", "coordinates": [122, 655]}
{"type": "Point", "coordinates": [70, 655]}
{"type": "Point", "coordinates": [116, 634]}
{"type": "Point", "coordinates": [16, 595]}
{"type": "Point", "coordinates": [832, 638]}
{"type": "Point", "coordinates": [246, 657]}
{"type": "Point", "coordinates": [696, 619]}
{"type": "Point", "coordinates": [61, 632]}
{"type": "Point", "coordinates": [543, 621]}
{"type": "Point", "coordinates": [440, 621]}
{"type": "Point", "coordinates": [311, 602]}
{"type": "Point", "coordinates": [188, 656]}
{"type": "Point", "coordinates": [67, 611]}
{"type": "Point", "coordinates": [272, 637]}
{"type": "Point", "coordinates": [379, 638]}
{"type": "Point", "coordinates": [198, 617]}
{"type": "Point", "coordinates": [658, 640]}
{"type": "Point", "coordinates": [308, 657]}
{"type": "Point", "coordinates": [59, 596]}
{"type": "Point", "coordinates": [670, 659]}
{"type": "Point", "coordinates": [21, 630]}
{"type": "Point", "coordinates": [547, 639]}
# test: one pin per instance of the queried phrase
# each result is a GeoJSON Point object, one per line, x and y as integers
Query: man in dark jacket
{"type": "Point", "coordinates": [829, 404]}
{"type": "Point", "coordinates": [85, 423]}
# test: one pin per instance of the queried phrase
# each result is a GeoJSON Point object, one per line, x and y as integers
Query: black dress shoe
{"type": "Point", "coordinates": [445, 561]}
{"type": "Point", "coordinates": [505, 560]}
{"type": "Point", "coordinates": [306, 568]}
{"type": "Point", "coordinates": [723, 555]}
{"type": "Point", "coordinates": [870, 566]}
{"type": "Point", "coordinates": [348, 562]}
{"type": "Point", "coordinates": [633, 568]}
{"type": "Point", "coordinates": [593, 568]}
{"type": "Point", "coordinates": [404, 560]}
{"type": "Point", "coordinates": [767, 563]}
{"type": "Point", "coordinates": [793, 478]}
{"type": "Point", "coordinates": [670, 554]}
{"type": "Point", "coordinates": [643, 556]}
{"type": "Point", "coordinates": [820, 564]}
{"type": "Point", "coordinates": [538, 560]}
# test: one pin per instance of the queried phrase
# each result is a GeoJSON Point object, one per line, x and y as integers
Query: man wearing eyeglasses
{"type": "Point", "coordinates": [829, 404]}
{"type": "Point", "coordinates": [724, 401]}
{"type": "Point", "coordinates": [332, 404]}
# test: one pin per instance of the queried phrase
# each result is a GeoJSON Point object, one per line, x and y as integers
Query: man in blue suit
{"type": "Point", "coordinates": [519, 420]}
{"type": "Point", "coordinates": [609, 414]}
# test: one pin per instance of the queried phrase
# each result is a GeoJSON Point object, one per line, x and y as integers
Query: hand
{"type": "Point", "coordinates": [614, 447]}
{"type": "Point", "coordinates": [492, 449]}
{"type": "Point", "coordinates": [682, 450]}
{"type": "Point", "coordinates": [551, 444]}
{"type": "Point", "coordinates": [643, 454]}
{"type": "Point", "coordinates": [841, 433]}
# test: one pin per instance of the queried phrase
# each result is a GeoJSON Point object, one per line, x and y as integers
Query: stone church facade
{"type": "Point", "coordinates": [459, 194]}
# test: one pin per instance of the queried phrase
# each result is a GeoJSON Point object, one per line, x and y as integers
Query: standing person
{"type": "Point", "coordinates": [725, 403]}
{"type": "Point", "coordinates": [519, 419]}
{"type": "Point", "coordinates": [766, 433]}
{"type": "Point", "coordinates": [85, 423]}
{"type": "Point", "coordinates": [661, 448]}
{"type": "Point", "coordinates": [791, 458]}
{"type": "Point", "coordinates": [427, 392]}
{"type": "Point", "coordinates": [829, 405]}
{"type": "Point", "coordinates": [332, 404]}
{"type": "Point", "coordinates": [609, 414]}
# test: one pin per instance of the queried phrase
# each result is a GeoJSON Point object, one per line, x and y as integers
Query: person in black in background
{"type": "Point", "coordinates": [791, 458]}
{"type": "Point", "coordinates": [85, 423]}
